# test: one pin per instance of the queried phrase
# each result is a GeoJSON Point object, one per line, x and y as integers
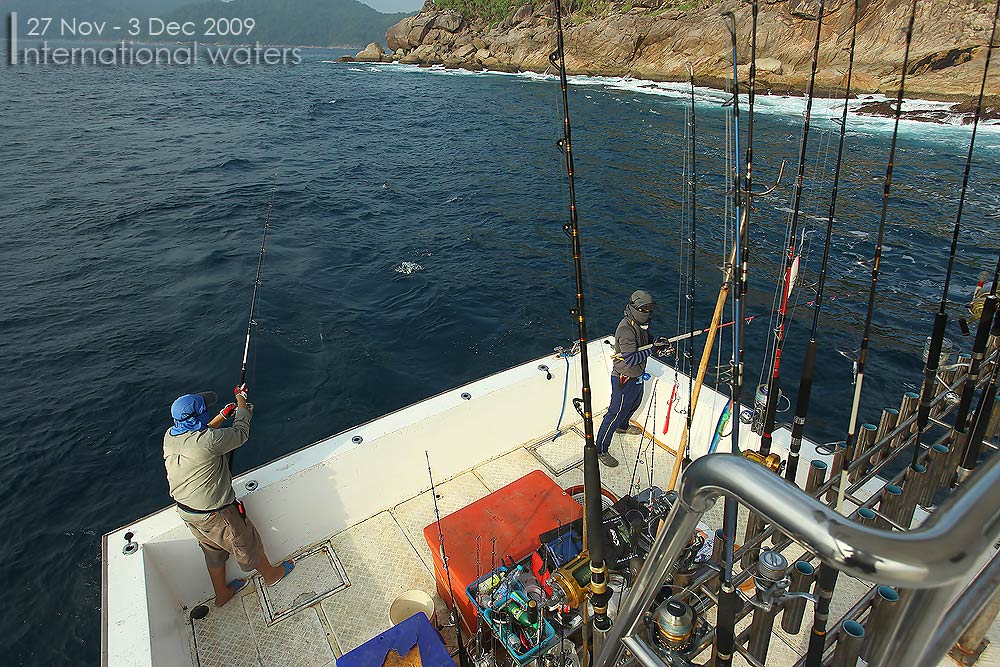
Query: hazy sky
{"type": "Point", "coordinates": [392, 6]}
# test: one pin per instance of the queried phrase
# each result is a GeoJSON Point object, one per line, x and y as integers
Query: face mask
{"type": "Point", "coordinates": [637, 316]}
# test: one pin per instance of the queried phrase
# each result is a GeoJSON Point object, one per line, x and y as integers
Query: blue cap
{"type": "Point", "coordinates": [190, 413]}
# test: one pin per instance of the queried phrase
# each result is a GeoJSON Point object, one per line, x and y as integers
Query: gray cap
{"type": "Point", "coordinates": [642, 300]}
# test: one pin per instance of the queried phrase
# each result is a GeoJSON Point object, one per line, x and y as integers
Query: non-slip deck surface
{"type": "Point", "coordinates": [386, 555]}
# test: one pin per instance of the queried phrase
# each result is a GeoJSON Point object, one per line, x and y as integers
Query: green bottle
{"type": "Point", "coordinates": [521, 616]}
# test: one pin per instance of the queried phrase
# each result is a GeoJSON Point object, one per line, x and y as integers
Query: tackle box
{"type": "Point", "coordinates": [520, 655]}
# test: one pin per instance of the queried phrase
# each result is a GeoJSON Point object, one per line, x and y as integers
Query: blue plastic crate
{"type": "Point", "coordinates": [521, 656]}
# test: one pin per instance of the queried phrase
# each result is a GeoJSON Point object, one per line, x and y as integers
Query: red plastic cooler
{"type": "Point", "coordinates": [515, 515]}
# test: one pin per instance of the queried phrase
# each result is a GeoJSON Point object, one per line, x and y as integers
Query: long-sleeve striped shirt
{"type": "Point", "coordinates": [628, 339]}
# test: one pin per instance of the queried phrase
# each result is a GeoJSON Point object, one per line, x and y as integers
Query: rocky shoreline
{"type": "Point", "coordinates": [655, 39]}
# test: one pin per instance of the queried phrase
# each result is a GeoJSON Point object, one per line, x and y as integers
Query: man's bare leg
{"type": "Point", "coordinates": [223, 592]}
{"type": "Point", "coordinates": [272, 573]}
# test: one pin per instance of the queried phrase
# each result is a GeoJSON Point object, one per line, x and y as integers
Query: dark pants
{"type": "Point", "coordinates": [625, 400]}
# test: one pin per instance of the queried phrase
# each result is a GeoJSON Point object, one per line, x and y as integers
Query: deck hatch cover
{"type": "Point", "coordinates": [559, 455]}
{"type": "Point", "coordinates": [318, 574]}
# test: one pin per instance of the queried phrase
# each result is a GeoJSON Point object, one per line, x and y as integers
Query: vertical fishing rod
{"type": "Point", "coordinates": [863, 353]}
{"type": "Point", "coordinates": [983, 332]}
{"type": "Point", "coordinates": [974, 439]}
{"type": "Point", "coordinates": [774, 383]}
{"type": "Point", "coordinates": [826, 583]}
{"type": "Point", "coordinates": [966, 439]}
{"type": "Point", "coordinates": [742, 275]}
{"type": "Point", "coordinates": [253, 301]}
{"type": "Point", "coordinates": [693, 243]}
{"type": "Point", "coordinates": [809, 365]}
{"type": "Point", "coordinates": [941, 319]}
{"type": "Point", "coordinates": [725, 632]}
{"type": "Point", "coordinates": [593, 508]}
{"type": "Point", "coordinates": [463, 658]}
{"type": "Point", "coordinates": [743, 227]}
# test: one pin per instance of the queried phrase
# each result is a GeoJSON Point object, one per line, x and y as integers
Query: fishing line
{"type": "Point", "coordinates": [809, 364]}
{"type": "Point", "coordinates": [941, 319]}
{"type": "Point", "coordinates": [682, 278]}
{"type": "Point", "coordinates": [251, 323]}
{"type": "Point", "coordinates": [852, 428]}
{"type": "Point", "coordinates": [774, 383]}
{"type": "Point", "coordinates": [692, 188]}
{"type": "Point", "coordinates": [642, 439]}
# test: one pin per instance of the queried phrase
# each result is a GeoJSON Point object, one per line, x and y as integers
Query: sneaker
{"type": "Point", "coordinates": [608, 460]}
{"type": "Point", "coordinates": [631, 429]}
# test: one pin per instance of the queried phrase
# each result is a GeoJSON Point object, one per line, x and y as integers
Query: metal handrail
{"type": "Point", "coordinates": [937, 556]}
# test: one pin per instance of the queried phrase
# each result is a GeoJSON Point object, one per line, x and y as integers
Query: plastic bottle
{"type": "Point", "coordinates": [488, 585]}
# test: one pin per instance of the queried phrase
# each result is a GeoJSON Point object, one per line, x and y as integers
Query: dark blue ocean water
{"type": "Point", "coordinates": [131, 208]}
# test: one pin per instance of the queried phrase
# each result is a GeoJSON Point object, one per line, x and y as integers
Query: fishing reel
{"type": "Point", "coordinates": [561, 655]}
{"type": "Point", "coordinates": [771, 581]}
{"type": "Point", "coordinates": [689, 561]}
{"type": "Point", "coordinates": [675, 629]}
{"type": "Point", "coordinates": [771, 461]}
{"type": "Point", "coordinates": [571, 583]}
{"type": "Point", "coordinates": [756, 418]}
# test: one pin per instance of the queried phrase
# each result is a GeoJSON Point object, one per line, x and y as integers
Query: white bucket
{"type": "Point", "coordinates": [408, 604]}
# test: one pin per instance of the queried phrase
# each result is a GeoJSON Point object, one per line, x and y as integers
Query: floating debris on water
{"type": "Point", "coordinates": [407, 268]}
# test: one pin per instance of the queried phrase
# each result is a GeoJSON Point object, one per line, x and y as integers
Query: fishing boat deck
{"type": "Point", "coordinates": [366, 566]}
{"type": "Point", "coordinates": [357, 534]}
{"type": "Point", "coordinates": [379, 558]}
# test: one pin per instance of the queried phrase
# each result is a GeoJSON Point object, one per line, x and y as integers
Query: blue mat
{"type": "Point", "coordinates": [414, 630]}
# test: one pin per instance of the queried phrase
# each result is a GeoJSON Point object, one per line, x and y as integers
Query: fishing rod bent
{"type": "Point", "coordinates": [256, 286]}
{"type": "Point", "coordinates": [253, 300]}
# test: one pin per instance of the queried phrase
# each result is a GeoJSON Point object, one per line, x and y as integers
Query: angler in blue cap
{"type": "Point", "coordinates": [633, 346]}
{"type": "Point", "coordinates": [194, 454]}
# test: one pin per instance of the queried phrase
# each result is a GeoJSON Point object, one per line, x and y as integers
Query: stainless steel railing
{"type": "Point", "coordinates": [933, 561]}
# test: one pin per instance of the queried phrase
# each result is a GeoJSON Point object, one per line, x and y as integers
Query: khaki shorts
{"type": "Point", "coordinates": [227, 532]}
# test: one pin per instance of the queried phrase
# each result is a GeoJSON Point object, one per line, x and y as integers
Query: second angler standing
{"type": "Point", "coordinates": [633, 346]}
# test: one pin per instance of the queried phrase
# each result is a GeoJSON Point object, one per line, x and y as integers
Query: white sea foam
{"type": "Point", "coordinates": [408, 268]}
{"type": "Point", "coordinates": [825, 113]}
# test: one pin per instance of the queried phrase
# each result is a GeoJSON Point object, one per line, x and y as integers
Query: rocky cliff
{"type": "Point", "coordinates": [654, 39]}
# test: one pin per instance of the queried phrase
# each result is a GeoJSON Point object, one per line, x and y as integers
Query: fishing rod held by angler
{"type": "Point", "coordinates": [251, 323]}
{"type": "Point", "coordinates": [256, 286]}
{"type": "Point", "coordinates": [684, 336]}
